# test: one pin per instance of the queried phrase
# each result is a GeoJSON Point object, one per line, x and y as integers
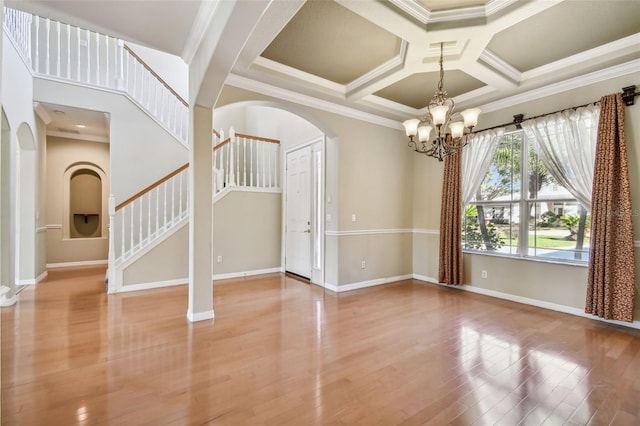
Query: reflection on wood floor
{"type": "Point", "coordinates": [281, 352]}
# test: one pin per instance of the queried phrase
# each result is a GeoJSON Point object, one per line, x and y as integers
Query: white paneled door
{"type": "Point", "coordinates": [298, 212]}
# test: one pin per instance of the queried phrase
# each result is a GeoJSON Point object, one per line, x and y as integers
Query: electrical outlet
{"type": "Point", "coordinates": [353, 217]}
{"type": "Point", "coordinates": [484, 274]}
{"type": "Point", "coordinates": [219, 259]}
{"type": "Point", "coordinates": [364, 264]}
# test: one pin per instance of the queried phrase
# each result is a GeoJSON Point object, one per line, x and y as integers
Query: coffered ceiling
{"type": "Point", "coordinates": [379, 58]}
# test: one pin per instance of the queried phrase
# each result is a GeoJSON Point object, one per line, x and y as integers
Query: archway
{"type": "Point", "coordinates": [309, 136]}
{"type": "Point", "coordinates": [26, 206]}
{"type": "Point", "coordinates": [7, 231]}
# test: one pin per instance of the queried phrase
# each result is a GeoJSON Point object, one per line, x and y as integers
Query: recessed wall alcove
{"type": "Point", "coordinates": [85, 204]}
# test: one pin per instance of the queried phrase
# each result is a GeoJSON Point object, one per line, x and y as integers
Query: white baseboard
{"type": "Point", "coordinates": [152, 285]}
{"type": "Point", "coordinates": [182, 281]}
{"type": "Point", "coordinates": [246, 273]}
{"type": "Point", "coordinates": [81, 263]}
{"type": "Point", "coordinates": [527, 301]}
{"type": "Point", "coordinates": [364, 284]}
{"type": "Point", "coordinates": [200, 316]}
{"type": "Point", "coordinates": [35, 281]}
{"type": "Point", "coordinates": [4, 302]}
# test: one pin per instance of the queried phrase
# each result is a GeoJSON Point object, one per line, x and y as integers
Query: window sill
{"type": "Point", "coordinates": [530, 258]}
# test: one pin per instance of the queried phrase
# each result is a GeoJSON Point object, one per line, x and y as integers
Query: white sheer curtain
{"type": "Point", "coordinates": [476, 159]}
{"type": "Point", "coordinates": [566, 145]}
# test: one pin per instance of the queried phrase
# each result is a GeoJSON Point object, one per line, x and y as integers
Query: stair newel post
{"type": "Point", "coordinates": [111, 277]}
{"type": "Point", "coordinates": [232, 170]}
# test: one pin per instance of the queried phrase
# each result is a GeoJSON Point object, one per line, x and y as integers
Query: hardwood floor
{"type": "Point", "coordinates": [281, 352]}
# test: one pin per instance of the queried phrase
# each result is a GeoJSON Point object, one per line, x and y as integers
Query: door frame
{"type": "Point", "coordinates": [318, 144]}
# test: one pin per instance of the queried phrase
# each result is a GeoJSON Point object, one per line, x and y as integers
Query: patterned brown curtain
{"type": "Point", "coordinates": [611, 263]}
{"type": "Point", "coordinates": [451, 223]}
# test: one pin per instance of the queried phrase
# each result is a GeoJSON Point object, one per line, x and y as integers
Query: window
{"type": "Point", "coordinates": [520, 209]}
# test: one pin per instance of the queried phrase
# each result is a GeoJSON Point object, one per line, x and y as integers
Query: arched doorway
{"type": "Point", "coordinates": [303, 138]}
{"type": "Point", "coordinates": [7, 231]}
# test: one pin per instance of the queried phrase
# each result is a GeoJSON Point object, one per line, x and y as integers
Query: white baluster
{"type": "Point", "coordinates": [132, 228]}
{"type": "Point", "coordinates": [164, 218]}
{"type": "Point", "coordinates": [251, 143]}
{"type": "Point", "coordinates": [237, 148]}
{"type": "Point", "coordinates": [58, 43]}
{"type": "Point", "coordinates": [37, 60]}
{"type": "Point", "coordinates": [232, 172]}
{"type": "Point", "coordinates": [106, 42]}
{"type": "Point", "coordinates": [244, 161]}
{"type": "Point", "coordinates": [149, 215]}
{"type": "Point", "coordinates": [98, 59]}
{"type": "Point", "coordinates": [139, 202]}
{"type": "Point", "coordinates": [135, 79]}
{"type": "Point", "coordinates": [79, 53]}
{"type": "Point", "coordinates": [123, 232]}
{"type": "Point", "coordinates": [121, 82]}
{"type": "Point", "coordinates": [157, 210]}
{"type": "Point", "coordinates": [48, 28]}
{"type": "Point", "coordinates": [68, 52]}
{"type": "Point", "coordinates": [173, 199]}
{"type": "Point", "coordinates": [89, 62]}
{"type": "Point", "coordinates": [180, 194]}
{"type": "Point", "coordinates": [128, 78]}
{"type": "Point", "coordinates": [29, 43]}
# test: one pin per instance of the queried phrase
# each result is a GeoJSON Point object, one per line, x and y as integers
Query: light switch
{"type": "Point", "coordinates": [353, 217]}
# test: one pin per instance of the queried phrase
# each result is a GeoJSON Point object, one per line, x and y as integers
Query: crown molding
{"type": "Point", "coordinates": [310, 101]}
{"type": "Point", "coordinates": [621, 70]}
{"type": "Point", "coordinates": [624, 45]}
{"type": "Point", "coordinates": [290, 72]}
{"type": "Point", "coordinates": [393, 64]}
{"type": "Point", "coordinates": [500, 65]}
{"type": "Point", "coordinates": [42, 113]}
{"type": "Point", "coordinates": [426, 16]}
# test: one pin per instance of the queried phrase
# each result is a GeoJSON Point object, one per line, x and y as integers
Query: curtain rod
{"type": "Point", "coordinates": [628, 97]}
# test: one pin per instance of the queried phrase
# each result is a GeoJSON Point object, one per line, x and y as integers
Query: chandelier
{"type": "Point", "coordinates": [440, 116]}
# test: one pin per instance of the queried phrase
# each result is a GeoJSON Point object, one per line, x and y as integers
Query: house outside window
{"type": "Point", "coordinates": [520, 210]}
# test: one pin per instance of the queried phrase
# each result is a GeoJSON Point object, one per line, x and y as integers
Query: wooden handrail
{"type": "Point", "coordinates": [164, 83]}
{"type": "Point", "coordinates": [215, 132]}
{"type": "Point", "coordinates": [152, 186]}
{"type": "Point", "coordinates": [221, 144]}
{"type": "Point", "coordinates": [258, 138]}
{"type": "Point", "coordinates": [186, 166]}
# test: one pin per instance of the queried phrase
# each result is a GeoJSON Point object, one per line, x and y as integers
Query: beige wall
{"type": "Point", "coordinates": [369, 173]}
{"type": "Point", "coordinates": [246, 233]}
{"type": "Point", "coordinates": [546, 282]}
{"type": "Point", "coordinates": [375, 170]}
{"type": "Point", "coordinates": [63, 153]}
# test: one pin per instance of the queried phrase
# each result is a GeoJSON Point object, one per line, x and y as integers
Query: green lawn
{"type": "Point", "coordinates": [547, 240]}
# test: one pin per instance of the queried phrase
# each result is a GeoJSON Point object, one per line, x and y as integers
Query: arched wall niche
{"type": "Point", "coordinates": [84, 201]}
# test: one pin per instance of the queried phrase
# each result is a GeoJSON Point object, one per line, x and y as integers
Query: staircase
{"type": "Point", "coordinates": [241, 162]}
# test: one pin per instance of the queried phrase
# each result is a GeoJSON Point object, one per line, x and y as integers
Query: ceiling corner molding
{"type": "Point", "coordinates": [310, 101]}
{"type": "Point", "coordinates": [624, 45]}
{"type": "Point", "coordinates": [394, 64]}
{"type": "Point", "coordinates": [621, 70]}
{"type": "Point", "coordinates": [495, 6]}
{"type": "Point", "coordinates": [290, 72]}
{"type": "Point", "coordinates": [457, 14]}
{"type": "Point", "coordinates": [42, 113]}
{"type": "Point", "coordinates": [500, 65]}
{"type": "Point", "coordinates": [200, 25]}
{"type": "Point", "coordinates": [414, 9]}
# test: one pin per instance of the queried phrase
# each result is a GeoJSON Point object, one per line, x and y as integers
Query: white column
{"type": "Point", "coordinates": [201, 220]}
